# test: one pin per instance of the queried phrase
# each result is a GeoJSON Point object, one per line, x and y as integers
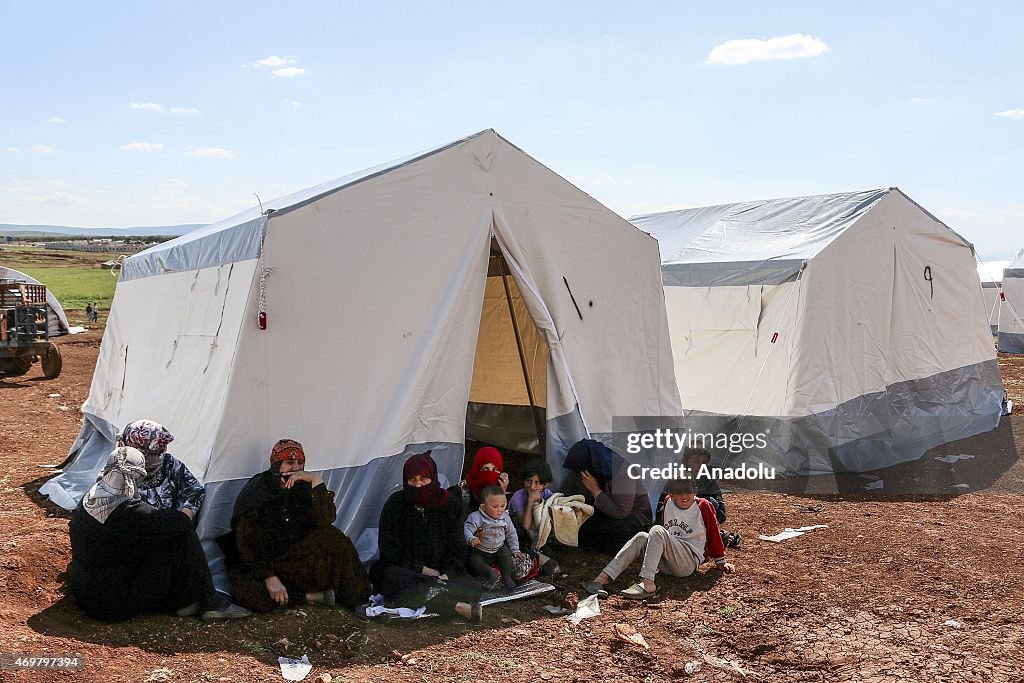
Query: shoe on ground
{"type": "Point", "coordinates": [550, 568]}
{"type": "Point", "coordinates": [637, 592]}
{"type": "Point", "coordinates": [230, 611]}
{"type": "Point", "coordinates": [595, 588]}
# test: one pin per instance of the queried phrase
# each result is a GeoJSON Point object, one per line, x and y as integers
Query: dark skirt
{"type": "Point", "coordinates": [165, 578]}
{"type": "Point", "coordinates": [324, 559]}
{"type": "Point", "coordinates": [606, 534]}
{"type": "Point", "coordinates": [403, 587]}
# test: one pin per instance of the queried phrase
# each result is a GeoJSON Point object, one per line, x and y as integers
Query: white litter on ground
{"type": "Point", "coordinates": [76, 330]}
{"type": "Point", "coordinates": [961, 486]}
{"type": "Point", "coordinates": [586, 609]}
{"type": "Point", "coordinates": [377, 608]}
{"type": "Point", "coordinates": [789, 533]}
{"type": "Point", "coordinates": [953, 458]}
{"type": "Point", "coordinates": [294, 669]}
{"type": "Point", "coordinates": [952, 623]}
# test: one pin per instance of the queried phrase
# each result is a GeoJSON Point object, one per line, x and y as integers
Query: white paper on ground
{"type": "Point", "coordinates": [294, 669]}
{"type": "Point", "coordinates": [76, 330]}
{"type": "Point", "coordinates": [586, 609]}
{"type": "Point", "coordinates": [789, 533]}
{"type": "Point", "coordinates": [953, 458]}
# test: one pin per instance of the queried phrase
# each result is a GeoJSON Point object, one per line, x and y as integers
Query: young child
{"type": "Point", "coordinates": [496, 541]}
{"type": "Point", "coordinates": [688, 536]}
{"type": "Point", "coordinates": [707, 488]}
{"type": "Point", "coordinates": [536, 477]}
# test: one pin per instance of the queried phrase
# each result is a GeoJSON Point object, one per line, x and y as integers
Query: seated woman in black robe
{"type": "Point", "coordinates": [288, 549]}
{"type": "Point", "coordinates": [621, 506]}
{"type": "Point", "coordinates": [422, 548]}
{"type": "Point", "coordinates": [128, 557]}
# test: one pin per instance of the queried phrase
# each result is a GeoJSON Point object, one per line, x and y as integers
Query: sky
{"type": "Point", "coordinates": [120, 114]}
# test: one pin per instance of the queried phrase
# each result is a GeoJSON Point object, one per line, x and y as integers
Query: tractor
{"type": "Point", "coordinates": [25, 330]}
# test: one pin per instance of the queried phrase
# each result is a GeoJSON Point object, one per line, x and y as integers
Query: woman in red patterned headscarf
{"type": "Point", "coordinates": [487, 470]}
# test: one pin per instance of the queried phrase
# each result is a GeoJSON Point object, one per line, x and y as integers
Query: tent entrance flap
{"type": "Point", "coordinates": [508, 393]}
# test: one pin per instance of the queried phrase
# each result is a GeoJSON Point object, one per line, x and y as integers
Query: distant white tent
{"type": "Point", "coordinates": [847, 327]}
{"type": "Point", "coordinates": [991, 275]}
{"type": "Point", "coordinates": [1011, 309]}
{"type": "Point", "coordinates": [467, 279]}
{"type": "Point", "coordinates": [58, 322]}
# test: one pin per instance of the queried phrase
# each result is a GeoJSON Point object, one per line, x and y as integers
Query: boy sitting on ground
{"type": "Point", "coordinates": [693, 459]}
{"type": "Point", "coordinates": [492, 539]}
{"type": "Point", "coordinates": [687, 537]}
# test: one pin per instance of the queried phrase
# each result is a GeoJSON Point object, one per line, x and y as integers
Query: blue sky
{"type": "Point", "coordinates": [142, 113]}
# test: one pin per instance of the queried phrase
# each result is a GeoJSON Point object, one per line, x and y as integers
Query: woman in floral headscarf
{"type": "Point", "coordinates": [168, 484]}
{"type": "Point", "coordinates": [128, 557]}
{"type": "Point", "coordinates": [422, 549]}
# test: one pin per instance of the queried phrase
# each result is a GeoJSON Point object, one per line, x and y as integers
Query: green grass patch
{"type": "Point", "coordinates": [76, 287]}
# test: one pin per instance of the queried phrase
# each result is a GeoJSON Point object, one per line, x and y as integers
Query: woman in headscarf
{"type": "Point", "coordinates": [168, 484]}
{"type": "Point", "coordinates": [621, 506]}
{"type": "Point", "coordinates": [288, 549]}
{"type": "Point", "coordinates": [422, 548]}
{"type": "Point", "coordinates": [487, 470]}
{"type": "Point", "coordinates": [128, 558]}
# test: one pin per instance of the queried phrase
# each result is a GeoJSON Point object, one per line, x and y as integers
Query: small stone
{"type": "Point", "coordinates": [325, 678]}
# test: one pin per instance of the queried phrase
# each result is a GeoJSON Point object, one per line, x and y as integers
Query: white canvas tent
{"type": "Point", "coordinates": [1011, 309]}
{"type": "Point", "coordinates": [846, 327]}
{"type": "Point", "coordinates": [991, 275]}
{"type": "Point", "coordinates": [58, 321]}
{"type": "Point", "coordinates": [387, 317]}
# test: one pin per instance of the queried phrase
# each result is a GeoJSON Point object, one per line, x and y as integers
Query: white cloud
{"type": "Point", "coordinates": [146, 106]}
{"type": "Point", "coordinates": [143, 147]}
{"type": "Point", "coordinates": [211, 152]}
{"type": "Point", "coordinates": [13, 150]}
{"type": "Point", "coordinates": [45, 149]}
{"type": "Point", "coordinates": [275, 61]}
{"type": "Point", "coordinates": [153, 106]}
{"type": "Point", "coordinates": [921, 100]}
{"type": "Point", "coordinates": [793, 46]}
{"type": "Point", "coordinates": [295, 104]}
{"type": "Point", "coordinates": [288, 72]}
{"type": "Point", "coordinates": [56, 198]}
{"type": "Point", "coordinates": [1011, 114]}
{"type": "Point", "coordinates": [56, 119]}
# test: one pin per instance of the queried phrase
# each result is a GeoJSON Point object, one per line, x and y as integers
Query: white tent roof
{"type": "Point", "coordinates": [758, 242]}
{"type": "Point", "coordinates": [237, 238]}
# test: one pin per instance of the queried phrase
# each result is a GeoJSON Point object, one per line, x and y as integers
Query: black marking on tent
{"type": "Point", "coordinates": [928, 279]}
{"type": "Point", "coordinates": [125, 375]}
{"type": "Point", "coordinates": [574, 298]}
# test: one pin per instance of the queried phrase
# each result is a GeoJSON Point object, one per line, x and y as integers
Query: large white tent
{"type": "Point", "coordinates": [846, 327]}
{"type": "Point", "coordinates": [1011, 309]}
{"type": "Point", "coordinates": [468, 278]}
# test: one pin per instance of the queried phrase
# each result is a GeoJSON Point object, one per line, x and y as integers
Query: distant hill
{"type": "Point", "coordinates": [45, 230]}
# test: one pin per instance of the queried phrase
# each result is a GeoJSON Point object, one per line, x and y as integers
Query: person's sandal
{"type": "Point", "coordinates": [188, 610]}
{"type": "Point", "coordinates": [637, 592]}
{"type": "Point", "coordinates": [595, 588]}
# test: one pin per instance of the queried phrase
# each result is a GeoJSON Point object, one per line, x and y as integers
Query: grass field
{"type": "Point", "coordinates": [75, 278]}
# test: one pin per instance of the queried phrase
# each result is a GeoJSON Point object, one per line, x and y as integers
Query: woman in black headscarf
{"type": "Point", "coordinates": [422, 548]}
{"type": "Point", "coordinates": [621, 506]}
{"type": "Point", "coordinates": [128, 557]}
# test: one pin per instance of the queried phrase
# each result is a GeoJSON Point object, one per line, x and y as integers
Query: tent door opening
{"type": "Point", "coordinates": [508, 393]}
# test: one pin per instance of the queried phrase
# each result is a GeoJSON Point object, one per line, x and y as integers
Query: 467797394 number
{"type": "Point", "coordinates": [17, 661]}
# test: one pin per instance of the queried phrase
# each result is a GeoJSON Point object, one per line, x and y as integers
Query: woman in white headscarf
{"type": "Point", "coordinates": [129, 558]}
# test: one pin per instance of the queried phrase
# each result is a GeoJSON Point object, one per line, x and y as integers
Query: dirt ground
{"type": "Point", "coordinates": [872, 598]}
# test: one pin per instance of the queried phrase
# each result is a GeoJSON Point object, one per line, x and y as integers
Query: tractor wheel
{"type": "Point", "coordinates": [52, 362]}
{"type": "Point", "coordinates": [15, 367]}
